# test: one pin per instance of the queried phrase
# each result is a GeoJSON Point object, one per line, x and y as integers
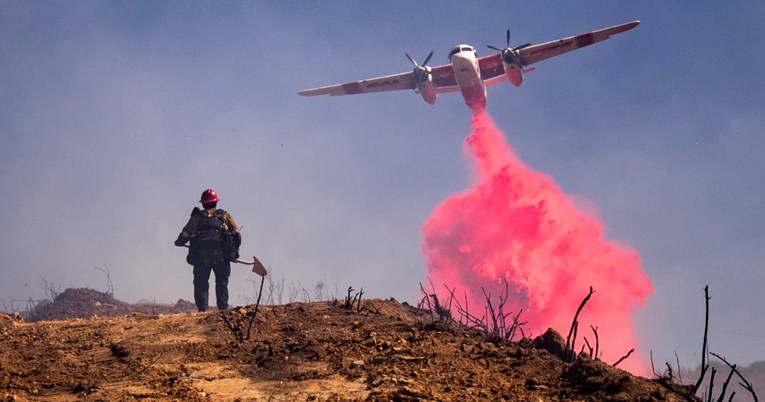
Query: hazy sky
{"type": "Point", "coordinates": [115, 116]}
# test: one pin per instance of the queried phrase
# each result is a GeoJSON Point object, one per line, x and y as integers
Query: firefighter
{"type": "Point", "coordinates": [215, 241]}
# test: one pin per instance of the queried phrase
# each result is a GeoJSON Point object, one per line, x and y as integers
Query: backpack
{"type": "Point", "coordinates": [213, 241]}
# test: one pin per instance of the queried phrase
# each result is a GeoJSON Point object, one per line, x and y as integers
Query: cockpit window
{"type": "Point", "coordinates": [458, 49]}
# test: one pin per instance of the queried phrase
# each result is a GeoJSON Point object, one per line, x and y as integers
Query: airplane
{"type": "Point", "coordinates": [469, 74]}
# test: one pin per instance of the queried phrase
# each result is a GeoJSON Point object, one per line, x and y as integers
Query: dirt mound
{"type": "Point", "coordinates": [83, 302]}
{"type": "Point", "coordinates": [381, 351]}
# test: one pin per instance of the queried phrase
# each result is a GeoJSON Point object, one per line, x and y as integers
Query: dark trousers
{"type": "Point", "coordinates": [222, 271]}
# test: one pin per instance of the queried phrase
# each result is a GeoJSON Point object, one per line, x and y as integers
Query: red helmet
{"type": "Point", "coordinates": [209, 196]}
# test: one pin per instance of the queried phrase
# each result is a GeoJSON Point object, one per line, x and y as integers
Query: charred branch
{"type": "Point", "coordinates": [353, 298]}
{"type": "Point", "coordinates": [704, 345]}
{"type": "Point", "coordinates": [746, 384]}
{"type": "Point", "coordinates": [496, 324]}
{"type": "Point", "coordinates": [725, 384]}
{"type": "Point", "coordinates": [711, 388]}
{"type": "Point", "coordinates": [257, 304]}
{"type": "Point", "coordinates": [623, 357]}
{"type": "Point", "coordinates": [235, 326]}
{"type": "Point", "coordinates": [569, 353]}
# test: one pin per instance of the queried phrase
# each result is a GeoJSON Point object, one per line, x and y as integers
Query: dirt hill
{"type": "Point", "coordinates": [378, 350]}
{"type": "Point", "coordinates": [83, 303]}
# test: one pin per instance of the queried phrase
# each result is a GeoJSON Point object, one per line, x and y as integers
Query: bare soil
{"type": "Point", "coordinates": [380, 350]}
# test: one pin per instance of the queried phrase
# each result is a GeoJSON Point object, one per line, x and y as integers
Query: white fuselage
{"type": "Point", "coordinates": [468, 76]}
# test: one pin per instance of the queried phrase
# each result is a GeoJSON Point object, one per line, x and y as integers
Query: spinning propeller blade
{"type": "Point", "coordinates": [420, 70]}
{"type": "Point", "coordinates": [509, 54]}
{"type": "Point", "coordinates": [411, 59]}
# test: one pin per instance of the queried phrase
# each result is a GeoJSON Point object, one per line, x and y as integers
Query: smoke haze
{"type": "Point", "coordinates": [118, 115]}
{"type": "Point", "coordinates": [515, 224]}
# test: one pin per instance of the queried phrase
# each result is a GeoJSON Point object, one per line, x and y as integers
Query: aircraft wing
{"type": "Point", "coordinates": [535, 53]}
{"type": "Point", "coordinates": [443, 76]}
{"type": "Point", "coordinates": [492, 70]}
{"type": "Point", "coordinates": [392, 82]}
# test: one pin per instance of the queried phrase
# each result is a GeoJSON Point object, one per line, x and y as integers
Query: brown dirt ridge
{"type": "Point", "coordinates": [83, 303]}
{"type": "Point", "coordinates": [377, 350]}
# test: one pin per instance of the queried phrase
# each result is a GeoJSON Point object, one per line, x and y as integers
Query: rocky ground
{"type": "Point", "coordinates": [84, 303]}
{"type": "Point", "coordinates": [378, 350]}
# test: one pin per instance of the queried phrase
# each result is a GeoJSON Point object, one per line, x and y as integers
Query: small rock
{"type": "Point", "coordinates": [550, 341]}
{"type": "Point", "coordinates": [376, 382]}
{"type": "Point", "coordinates": [119, 350]}
{"type": "Point", "coordinates": [534, 384]}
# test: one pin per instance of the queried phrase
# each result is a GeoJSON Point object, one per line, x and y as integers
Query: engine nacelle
{"type": "Point", "coordinates": [514, 73]}
{"type": "Point", "coordinates": [427, 89]}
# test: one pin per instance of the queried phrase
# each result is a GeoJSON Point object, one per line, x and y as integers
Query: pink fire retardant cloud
{"type": "Point", "coordinates": [515, 224]}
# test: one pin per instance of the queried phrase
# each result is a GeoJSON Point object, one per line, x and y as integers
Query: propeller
{"type": "Point", "coordinates": [420, 70]}
{"type": "Point", "coordinates": [509, 54]}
